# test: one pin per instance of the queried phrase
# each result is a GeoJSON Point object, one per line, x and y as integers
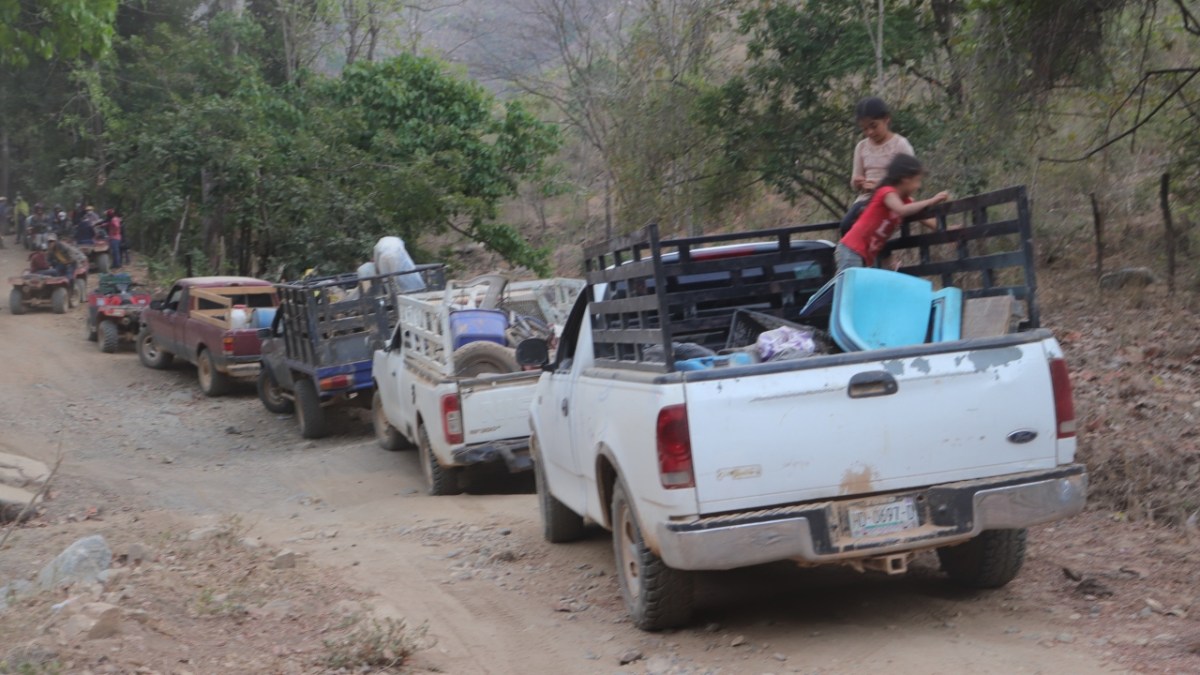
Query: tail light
{"type": "Point", "coordinates": [1064, 400]}
{"type": "Point", "coordinates": [674, 448]}
{"type": "Point", "coordinates": [452, 424]}
{"type": "Point", "coordinates": [227, 345]}
{"type": "Point", "coordinates": [337, 382]}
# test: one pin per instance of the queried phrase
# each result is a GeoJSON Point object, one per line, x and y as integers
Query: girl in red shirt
{"type": "Point", "coordinates": [890, 204]}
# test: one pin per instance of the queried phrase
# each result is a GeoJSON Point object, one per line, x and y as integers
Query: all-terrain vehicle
{"type": "Point", "coordinates": [97, 251]}
{"type": "Point", "coordinates": [114, 311]}
{"type": "Point", "coordinates": [34, 287]}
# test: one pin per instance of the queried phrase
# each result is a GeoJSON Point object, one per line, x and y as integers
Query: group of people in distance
{"type": "Point", "coordinates": [44, 232]}
{"type": "Point", "coordinates": [886, 175]}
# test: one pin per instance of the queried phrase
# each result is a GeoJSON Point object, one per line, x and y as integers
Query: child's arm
{"type": "Point", "coordinates": [896, 205]}
{"type": "Point", "coordinates": [858, 174]}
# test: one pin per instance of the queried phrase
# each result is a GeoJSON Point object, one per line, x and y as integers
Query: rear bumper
{"type": "Point", "coordinates": [242, 366]}
{"type": "Point", "coordinates": [818, 532]}
{"type": "Point", "coordinates": [514, 453]}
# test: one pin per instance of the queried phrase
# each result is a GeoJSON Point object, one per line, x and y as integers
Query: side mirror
{"type": "Point", "coordinates": [533, 353]}
{"type": "Point", "coordinates": [156, 304]}
{"type": "Point", "coordinates": [263, 333]}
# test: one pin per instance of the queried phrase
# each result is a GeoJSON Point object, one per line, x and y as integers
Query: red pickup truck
{"type": "Point", "coordinates": [211, 322]}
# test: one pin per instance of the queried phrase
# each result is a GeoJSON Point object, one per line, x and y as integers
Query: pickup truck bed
{"type": "Point", "coordinates": [861, 458]}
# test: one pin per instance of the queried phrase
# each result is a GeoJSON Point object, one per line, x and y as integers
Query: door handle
{"type": "Point", "coordinates": [566, 408]}
{"type": "Point", "coordinates": [872, 383]}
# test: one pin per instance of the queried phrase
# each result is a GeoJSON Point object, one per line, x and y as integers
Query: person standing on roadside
{"type": "Point", "coordinates": [112, 225]}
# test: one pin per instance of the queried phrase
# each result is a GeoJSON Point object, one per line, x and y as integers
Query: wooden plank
{"type": "Point", "coordinates": [987, 317]}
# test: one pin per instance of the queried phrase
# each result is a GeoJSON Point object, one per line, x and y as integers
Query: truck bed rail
{"type": "Point", "coordinates": [657, 291]}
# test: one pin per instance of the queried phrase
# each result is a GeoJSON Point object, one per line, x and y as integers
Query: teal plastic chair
{"type": "Point", "coordinates": [947, 315]}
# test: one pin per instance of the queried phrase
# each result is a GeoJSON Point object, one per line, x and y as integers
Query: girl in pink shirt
{"type": "Point", "coordinates": [872, 154]}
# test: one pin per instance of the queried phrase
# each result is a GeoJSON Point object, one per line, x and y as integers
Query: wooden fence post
{"type": "Point", "coordinates": [1164, 194]}
{"type": "Point", "coordinates": [1098, 227]}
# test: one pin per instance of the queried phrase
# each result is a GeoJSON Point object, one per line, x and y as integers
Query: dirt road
{"type": "Point", "coordinates": [496, 597]}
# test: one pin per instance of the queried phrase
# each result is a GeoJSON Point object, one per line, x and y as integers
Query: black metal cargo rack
{"type": "Point", "coordinates": [654, 292]}
{"type": "Point", "coordinates": [321, 327]}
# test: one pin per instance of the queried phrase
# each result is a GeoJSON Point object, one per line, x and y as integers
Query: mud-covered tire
{"type": "Point", "coordinates": [271, 394]}
{"type": "Point", "coordinates": [439, 480]}
{"type": "Point", "coordinates": [990, 560]}
{"type": "Point", "coordinates": [110, 337]}
{"type": "Point", "coordinates": [388, 436]}
{"type": "Point", "coordinates": [559, 523]}
{"type": "Point", "coordinates": [16, 301]}
{"type": "Point", "coordinates": [59, 299]}
{"type": "Point", "coordinates": [657, 597]}
{"type": "Point", "coordinates": [309, 414]}
{"type": "Point", "coordinates": [150, 354]}
{"type": "Point", "coordinates": [212, 381]}
{"type": "Point", "coordinates": [103, 263]}
{"type": "Point", "coordinates": [484, 358]}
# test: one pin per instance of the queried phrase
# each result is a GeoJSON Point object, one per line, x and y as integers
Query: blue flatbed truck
{"type": "Point", "coordinates": [318, 349]}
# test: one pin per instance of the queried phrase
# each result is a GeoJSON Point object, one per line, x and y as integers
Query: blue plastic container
{"type": "Point", "coordinates": [709, 362]}
{"type": "Point", "coordinates": [263, 316]}
{"type": "Point", "coordinates": [478, 325]}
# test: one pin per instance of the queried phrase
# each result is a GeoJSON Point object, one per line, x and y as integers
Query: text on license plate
{"type": "Point", "coordinates": [879, 519]}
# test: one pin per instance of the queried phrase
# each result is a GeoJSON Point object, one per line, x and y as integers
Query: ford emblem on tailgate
{"type": "Point", "coordinates": [1022, 436]}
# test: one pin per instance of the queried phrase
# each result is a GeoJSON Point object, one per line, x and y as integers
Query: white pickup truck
{"type": "Point", "coordinates": [448, 384]}
{"type": "Point", "coordinates": [861, 458]}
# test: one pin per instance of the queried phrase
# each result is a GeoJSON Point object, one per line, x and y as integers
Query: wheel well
{"type": "Point", "coordinates": [606, 480]}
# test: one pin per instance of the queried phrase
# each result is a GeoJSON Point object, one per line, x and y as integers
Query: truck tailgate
{"type": "Point", "coordinates": [798, 435]}
{"type": "Point", "coordinates": [497, 409]}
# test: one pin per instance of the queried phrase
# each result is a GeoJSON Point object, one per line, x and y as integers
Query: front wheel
{"type": "Point", "coordinates": [388, 436]}
{"type": "Point", "coordinates": [16, 301]}
{"type": "Point", "coordinates": [559, 523]}
{"type": "Point", "coordinates": [439, 480]}
{"type": "Point", "coordinates": [150, 354]}
{"type": "Point", "coordinates": [212, 381]}
{"type": "Point", "coordinates": [271, 394]}
{"type": "Point", "coordinates": [308, 409]}
{"type": "Point", "coordinates": [990, 560]}
{"type": "Point", "coordinates": [110, 337]}
{"type": "Point", "coordinates": [59, 299]}
{"type": "Point", "coordinates": [657, 597]}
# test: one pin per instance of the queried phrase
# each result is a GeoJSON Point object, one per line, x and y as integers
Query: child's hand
{"type": "Point", "coordinates": [868, 185]}
{"type": "Point", "coordinates": [940, 197]}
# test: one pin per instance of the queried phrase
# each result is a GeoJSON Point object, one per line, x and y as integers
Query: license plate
{"type": "Point", "coordinates": [880, 519]}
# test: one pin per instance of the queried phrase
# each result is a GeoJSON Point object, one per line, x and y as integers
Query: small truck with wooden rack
{"type": "Point", "coordinates": [209, 322]}
{"type": "Point", "coordinates": [861, 457]}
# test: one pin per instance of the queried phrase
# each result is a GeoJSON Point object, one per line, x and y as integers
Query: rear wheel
{"type": "Point", "coordinates": [110, 337]}
{"type": "Point", "coordinates": [658, 597]}
{"type": "Point", "coordinates": [483, 358]}
{"type": "Point", "coordinates": [150, 354]}
{"type": "Point", "coordinates": [212, 381]}
{"type": "Point", "coordinates": [271, 394]}
{"type": "Point", "coordinates": [990, 560]}
{"type": "Point", "coordinates": [103, 263]}
{"type": "Point", "coordinates": [308, 409]}
{"type": "Point", "coordinates": [16, 301]}
{"type": "Point", "coordinates": [438, 479]}
{"type": "Point", "coordinates": [559, 523]}
{"type": "Point", "coordinates": [388, 436]}
{"type": "Point", "coordinates": [59, 299]}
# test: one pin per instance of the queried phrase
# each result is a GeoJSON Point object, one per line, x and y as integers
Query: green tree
{"type": "Point", "coordinates": [49, 29]}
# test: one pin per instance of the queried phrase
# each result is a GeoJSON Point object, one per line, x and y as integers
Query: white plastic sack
{"type": "Point", "coordinates": [785, 343]}
{"type": "Point", "coordinates": [391, 256]}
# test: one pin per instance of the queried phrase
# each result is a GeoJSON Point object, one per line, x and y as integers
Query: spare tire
{"type": "Point", "coordinates": [484, 358]}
